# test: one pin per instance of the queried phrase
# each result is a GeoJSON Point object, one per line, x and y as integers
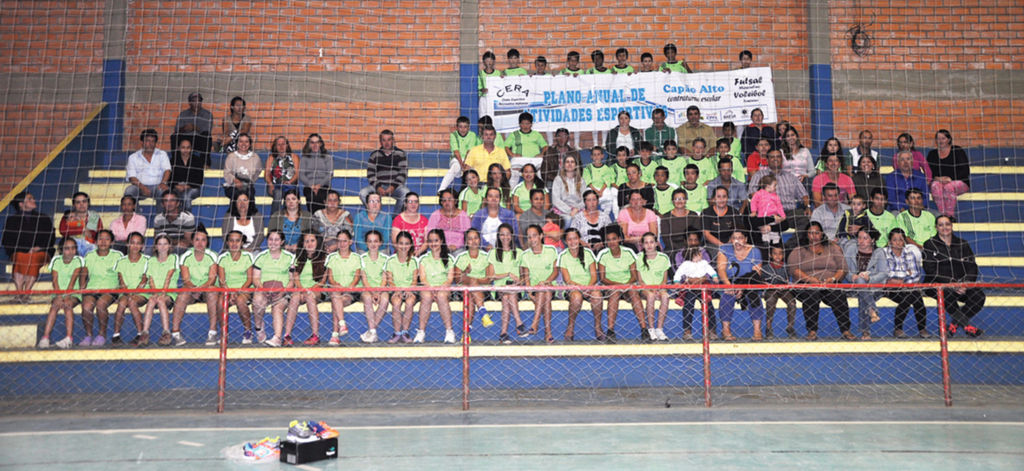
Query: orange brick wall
{"type": "Point", "coordinates": [927, 35]}
{"type": "Point", "coordinates": [51, 36]}
{"type": "Point", "coordinates": [356, 36]}
{"type": "Point", "coordinates": [29, 132]}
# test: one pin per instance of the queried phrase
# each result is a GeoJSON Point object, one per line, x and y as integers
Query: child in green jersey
{"type": "Point", "coordinates": [344, 270]}
{"type": "Point", "coordinates": [131, 274]}
{"type": "Point", "coordinates": [572, 67]}
{"type": "Point", "coordinates": [652, 266]}
{"type": "Point", "coordinates": [162, 273]}
{"type": "Point", "coordinates": [597, 57]}
{"type": "Point", "coordinates": [671, 65]}
{"type": "Point", "coordinates": [538, 268]}
{"type": "Point", "coordinates": [521, 193]}
{"type": "Point", "coordinates": [503, 270]}
{"type": "Point", "coordinates": [436, 270]}
{"type": "Point", "coordinates": [576, 263]}
{"type": "Point", "coordinates": [308, 273]}
{"type": "Point", "coordinates": [99, 271]}
{"type": "Point", "coordinates": [375, 303]}
{"type": "Point", "coordinates": [617, 268]}
{"type": "Point", "coordinates": [461, 140]}
{"type": "Point", "coordinates": [234, 270]}
{"type": "Point", "coordinates": [488, 70]}
{"type": "Point", "coordinates": [621, 67]}
{"type": "Point", "coordinates": [471, 270]}
{"type": "Point", "coordinates": [270, 273]}
{"type": "Point", "coordinates": [470, 197]}
{"type": "Point", "coordinates": [198, 270]}
{"type": "Point", "coordinates": [513, 70]}
{"type": "Point", "coordinates": [65, 269]}
{"type": "Point", "coordinates": [646, 62]}
{"type": "Point", "coordinates": [400, 271]}
{"type": "Point", "coordinates": [647, 163]}
{"type": "Point", "coordinates": [600, 177]}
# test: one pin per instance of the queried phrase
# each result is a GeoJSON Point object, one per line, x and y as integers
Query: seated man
{"type": "Point", "coordinates": [195, 123]}
{"type": "Point", "coordinates": [482, 156]}
{"type": "Point", "coordinates": [148, 170]}
{"type": "Point", "coordinates": [387, 171]}
{"type": "Point", "coordinates": [903, 179]}
{"type": "Point", "coordinates": [691, 130]}
{"type": "Point", "coordinates": [178, 225]}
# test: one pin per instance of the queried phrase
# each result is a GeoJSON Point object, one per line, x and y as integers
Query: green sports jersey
{"type": "Point", "coordinates": [508, 264]}
{"type": "Point", "coordinates": [883, 224]}
{"type": "Point", "coordinates": [344, 269]}
{"type": "Point", "coordinates": [403, 275]}
{"type": "Point", "coordinates": [697, 198]}
{"type": "Point", "coordinates": [599, 177]}
{"type": "Point", "coordinates": [477, 266]}
{"type": "Point", "coordinates": [737, 164]}
{"type": "Point", "coordinates": [617, 269]}
{"type": "Point", "coordinates": [436, 271]}
{"type": "Point", "coordinates": [274, 270]}
{"type": "Point", "coordinates": [736, 148]}
{"type": "Point", "coordinates": [675, 169]}
{"type": "Point", "coordinates": [473, 200]}
{"type": "Point", "coordinates": [920, 228]}
{"type": "Point", "coordinates": [676, 66]}
{"type": "Point", "coordinates": [198, 270]}
{"type": "Point", "coordinates": [65, 271]}
{"type": "Point", "coordinates": [647, 171]}
{"type": "Point", "coordinates": [235, 271]}
{"type": "Point", "coordinates": [132, 272]}
{"type": "Point", "coordinates": [524, 195]}
{"type": "Point", "coordinates": [654, 272]}
{"type": "Point", "coordinates": [526, 144]}
{"type": "Point", "coordinates": [482, 79]}
{"type": "Point", "coordinates": [620, 174]}
{"type": "Point", "coordinates": [516, 72]}
{"type": "Point", "coordinates": [567, 71]}
{"type": "Point", "coordinates": [157, 273]}
{"type": "Point", "coordinates": [101, 270]}
{"type": "Point", "coordinates": [578, 273]}
{"type": "Point", "coordinates": [374, 269]}
{"type": "Point", "coordinates": [628, 69]}
{"type": "Point", "coordinates": [594, 71]}
{"type": "Point", "coordinates": [306, 275]}
{"type": "Point", "coordinates": [541, 265]}
{"type": "Point", "coordinates": [463, 143]}
{"type": "Point", "coordinates": [708, 167]}
{"type": "Point", "coordinates": [663, 199]}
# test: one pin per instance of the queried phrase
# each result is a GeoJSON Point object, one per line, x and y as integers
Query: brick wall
{"type": "Point", "coordinates": [931, 36]}
{"type": "Point", "coordinates": [29, 132]}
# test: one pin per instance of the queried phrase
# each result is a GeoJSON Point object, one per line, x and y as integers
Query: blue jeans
{"type": "Point", "coordinates": [689, 296]}
{"type": "Point", "coordinates": [728, 305]}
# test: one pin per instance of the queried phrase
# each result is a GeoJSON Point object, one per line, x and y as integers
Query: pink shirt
{"type": "Point", "coordinates": [121, 231]}
{"type": "Point", "coordinates": [417, 229]}
{"type": "Point", "coordinates": [454, 228]}
{"type": "Point", "coordinates": [637, 229]}
{"type": "Point", "coordinates": [765, 204]}
{"type": "Point", "coordinates": [845, 184]}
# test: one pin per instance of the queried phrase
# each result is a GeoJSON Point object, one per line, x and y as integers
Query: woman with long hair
{"type": "Point", "coordinates": [272, 271]}
{"type": "Point", "coordinates": [617, 268]}
{"type": "Point", "coordinates": [375, 303]}
{"type": "Point", "coordinates": [400, 271]}
{"type": "Point", "coordinates": [308, 273]}
{"type": "Point", "coordinates": [503, 270]}
{"type": "Point", "coordinates": [344, 270]}
{"type": "Point", "coordinates": [538, 268]}
{"type": "Point", "coordinates": [281, 172]}
{"type": "Point", "coordinates": [234, 269]}
{"type": "Point", "coordinates": [316, 172]}
{"type": "Point", "coordinates": [653, 266]}
{"type": "Point", "coordinates": [436, 270]}
{"type": "Point", "coordinates": [579, 268]}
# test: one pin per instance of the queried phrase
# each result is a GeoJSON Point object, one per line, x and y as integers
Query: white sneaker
{"type": "Point", "coordinates": [420, 336]}
{"type": "Point", "coordinates": [661, 334]}
{"type": "Point", "coordinates": [211, 338]}
{"type": "Point", "coordinates": [449, 336]}
{"type": "Point", "coordinates": [178, 339]}
{"type": "Point", "coordinates": [273, 342]}
{"type": "Point", "coordinates": [342, 328]}
{"type": "Point", "coordinates": [64, 343]}
{"type": "Point", "coordinates": [369, 336]}
{"type": "Point", "coordinates": [652, 334]}
{"type": "Point", "coordinates": [261, 335]}
{"type": "Point", "coordinates": [44, 343]}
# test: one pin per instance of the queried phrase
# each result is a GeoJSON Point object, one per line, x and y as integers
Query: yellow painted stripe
{"type": "Point", "coordinates": [49, 157]}
{"type": "Point", "coordinates": [454, 352]}
{"type": "Point", "coordinates": [1002, 170]}
{"type": "Point", "coordinates": [346, 173]}
{"type": "Point", "coordinates": [223, 201]}
{"type": "Point", "coordinates": [989, 227]}
{"type": "Point", "coordinates": [991, 197]}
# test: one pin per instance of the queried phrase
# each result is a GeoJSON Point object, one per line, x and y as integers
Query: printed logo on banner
{"type": "Point", "coordinates": [729, 115]}
{"type": "Point", "coordinates": [516, 97]}
{"type": "Point", "coordinates": [711, 117]}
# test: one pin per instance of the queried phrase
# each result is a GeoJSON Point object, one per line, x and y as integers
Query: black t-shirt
{"type": "Point", "coordinates": [723, 226]}
{"type": "Point", "coordinates": [190, 173]}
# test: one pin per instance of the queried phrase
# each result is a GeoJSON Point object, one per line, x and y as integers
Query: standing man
{"type": "Point", "coordinates": [148, 170]}
{"type": "Point", "coordinates": [387, 171]}
{"type": "Point", "coordinates": [692, 129]}
{"type": "Point", "coordinates": [790, 191]}
{"type": "Point", "coordinates": [195, 123]}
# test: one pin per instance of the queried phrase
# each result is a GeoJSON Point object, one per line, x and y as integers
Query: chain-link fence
{"type": "Point", "coordinates": [857, 357]}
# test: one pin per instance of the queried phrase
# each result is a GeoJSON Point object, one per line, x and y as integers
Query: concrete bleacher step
{"type": "Point", "coordinates": [18, 336]}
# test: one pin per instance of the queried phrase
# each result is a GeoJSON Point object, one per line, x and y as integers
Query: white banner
{"type": "Point", "coordinates": [593, 102]}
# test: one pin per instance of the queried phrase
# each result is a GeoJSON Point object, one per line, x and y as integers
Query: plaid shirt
{"type": "Point", "coordinates": [908, 265]}
{"type": "Point", "coordinates": [790, 190]}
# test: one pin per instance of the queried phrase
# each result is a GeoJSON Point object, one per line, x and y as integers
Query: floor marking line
{"type": "Point", "coordinates": [145, 437]}
{"type": "Point", "coordinates": [183, 442]}
{"type": "Point", "coordinates": [307, 467]}
{"type": "Point", "coordinates": [573, 425]}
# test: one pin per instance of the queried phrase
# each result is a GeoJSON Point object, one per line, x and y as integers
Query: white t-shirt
{"type": "Point", "coordinates": [624, 140]}
{"type": "Point", "coordinates": [490, 230]}
{"type": "Point", "coordinates": [148, 172]}
{"type": "Point", "coordinates": [694, 270]}
{"type": "Point", "coordinates": [248, 231]}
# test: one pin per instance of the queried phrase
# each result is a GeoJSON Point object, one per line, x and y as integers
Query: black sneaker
{"type": "Point", "coordinates": [116, 341]}
{"type": "Point", "coordinates": [521, 330]}
{"type": "Point", "coordinates": [645, 335]}
{"type": "Point", "coordinates": [505, 339]}
{"type": "Point", "coordinates": [973, 332]}
{"type": "Point", "coordinates": [610, 334]}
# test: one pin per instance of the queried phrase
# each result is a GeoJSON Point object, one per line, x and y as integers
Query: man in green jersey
{"type": "Point", "coordinates": [915, 221]}
{"type": "Point", "coordinates": [882, 220]}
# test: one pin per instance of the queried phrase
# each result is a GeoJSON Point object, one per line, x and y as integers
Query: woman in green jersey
{"type": "Point", "coordinates": [198, 270]}
{"type": "Point", "coordinates": [309, 274]}
{"type": "Point", "coordinates": [99, 271]}
{"type": "Point", "coordinates": [65, 269]}
{"type": "Point", "coordinates": [271, 271]}
{"type": "Point", "coordinates": [437, 270]}
{"type": "Point", "coordinates": [652, 266]}
{"type": "Point", "coordinates": [521, 193]}
{"type": "Point", "coordinates": [503, 270]}
{"type": "Point", "coordinates": [344, 270]}
{"type": "Point", "coordinates": [578, 268]}
{"type": "Point", "coordinates": [162, 273]}
{"type": "Point", "coordinates": [375, 303]}
{"type": "Point", "coordinates": [400, 272]}
{"type": "Point", "coordinates": [617, 268]}
{"type": "Point", "coordinates": [234, 270]}
{"type": "Point", "coordinates": [538, 268]}
{"type": "Point", "coordinates": [131, 274]}
{"type": "Point", "coordinates": [471, 270]}
{"type": "Point", "coordinates": [471, 198]}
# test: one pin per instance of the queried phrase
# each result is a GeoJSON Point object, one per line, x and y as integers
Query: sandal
{"type": "Point", "coordinates": [550, 339]}
{"type": "Point", "coordinates": [756, 338]}
{"type": "Point", "coordinates": [812, 335]}
{"type": "Point", "coordinates": [874, 315]}
{"type": "Point", "coordinates": [847, 335]}
{"type": "Point", "coordinates": [865, 336]}
{"type": "Point", "coordinates": [728, 337]}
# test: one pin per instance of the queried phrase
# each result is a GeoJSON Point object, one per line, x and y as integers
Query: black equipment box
{"type": "Point", "coordinates": [299, 453]}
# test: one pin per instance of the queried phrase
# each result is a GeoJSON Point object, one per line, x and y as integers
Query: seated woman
{"type": "Point", "coordinates": [471, 270]}
{"type": "Point", "coordinates": [949, 259]}
{"type": "Point", "coordinates": [503, 270]}
{"type": "Point", "coordinates": [636, 221]}
{"type": "Point", "coordinates": [617, 268]}
{"type": "Point", "coordinates": [372, 219]}
{"type": "Point", "coordinates": [864, 265]}
{"type": "Point", "coordinates": [739, 263]}
{"type": "Point", "coordinates": [80, 223]}
{"type": "Point", "coordinates": [436, 270]}
{"type": "Point", "coordinates": [65, 271]}
{"type": "Point", "coordinates": [624, 135]}
{"type": "Point", "coordinates": [579, 268]}
{"type": "Point", "coordinates": [198, 269]}
{"type": "Point", "coordinates": [867, 178]}
{"type": "Point", "coordinates": [234, 270]}
{"type": "Point", "coordinates": [332, 219]}
{"type": "Point", "coordinates": [235, 123]}
{"type": "Point", "coordinates": [903, 265]}
{"type": "Point", "coordinates": [653, 266]}
{"type": "Point", "coordinates": [834, 173]}
{"type": "Point", "coordinates": [400, 271]}
{"type": "Point", "coordinates": [538, 269]}
{"type": "Point", "coordinates": [161, 273]}
{"type": "Point", "coordinates": [568, 188]}
{"type": "Point", "coordinates": [633, 185]}
{"type": "Point", "coordinates": [131, 274]}
{"type": "Point", "coordinates": [491, 217]}
{"type": "Point", "coordinates": [471, 197]}
{"type": "Point", "coordinates": [243, 217]}
{"type": "Point", "coordinates": [242, 168]}
{"type": "Point", "coordinates": [308, 273]}
{"type": "Point", "coordinates": [344, 270]}
{"type": "Point", "coordinates": [410, 220]}
{"type": "Point", "coordinates": [188, 172]}
{"type": "Point", "coordinates": [375, 303]}
{"type": "Point", "coordinates": [818, 261]}
{"type": "Point", "coordinates": [590, 222]}
{"type": "Point", "coordinates": [951, 172]}
{"type": "Point", "coordinates": [520, 201]}
{"type": "Point", "coordinates": [271, 271]}
{"type": "Point", "coordinates": [100, 273]}
{"type": "Point", "coordinates": [292, 221]}
{"type": "Point", "coordinates": [129, 221]}
{"type": "Point", "coordinates": [281, 172]}
{"type": "Point", "coordinates": [450, 219]}
{"type": "Point", "coordinates": [28, 240]}
{"type": "Point", "coordinates": [906, 142]}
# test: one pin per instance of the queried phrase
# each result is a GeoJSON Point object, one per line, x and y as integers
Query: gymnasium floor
{"type": "Point", "coordinates": [773, 437]}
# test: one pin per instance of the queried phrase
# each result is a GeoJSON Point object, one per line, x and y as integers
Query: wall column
{"type": "Point", "coordinates": [820, 73]}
